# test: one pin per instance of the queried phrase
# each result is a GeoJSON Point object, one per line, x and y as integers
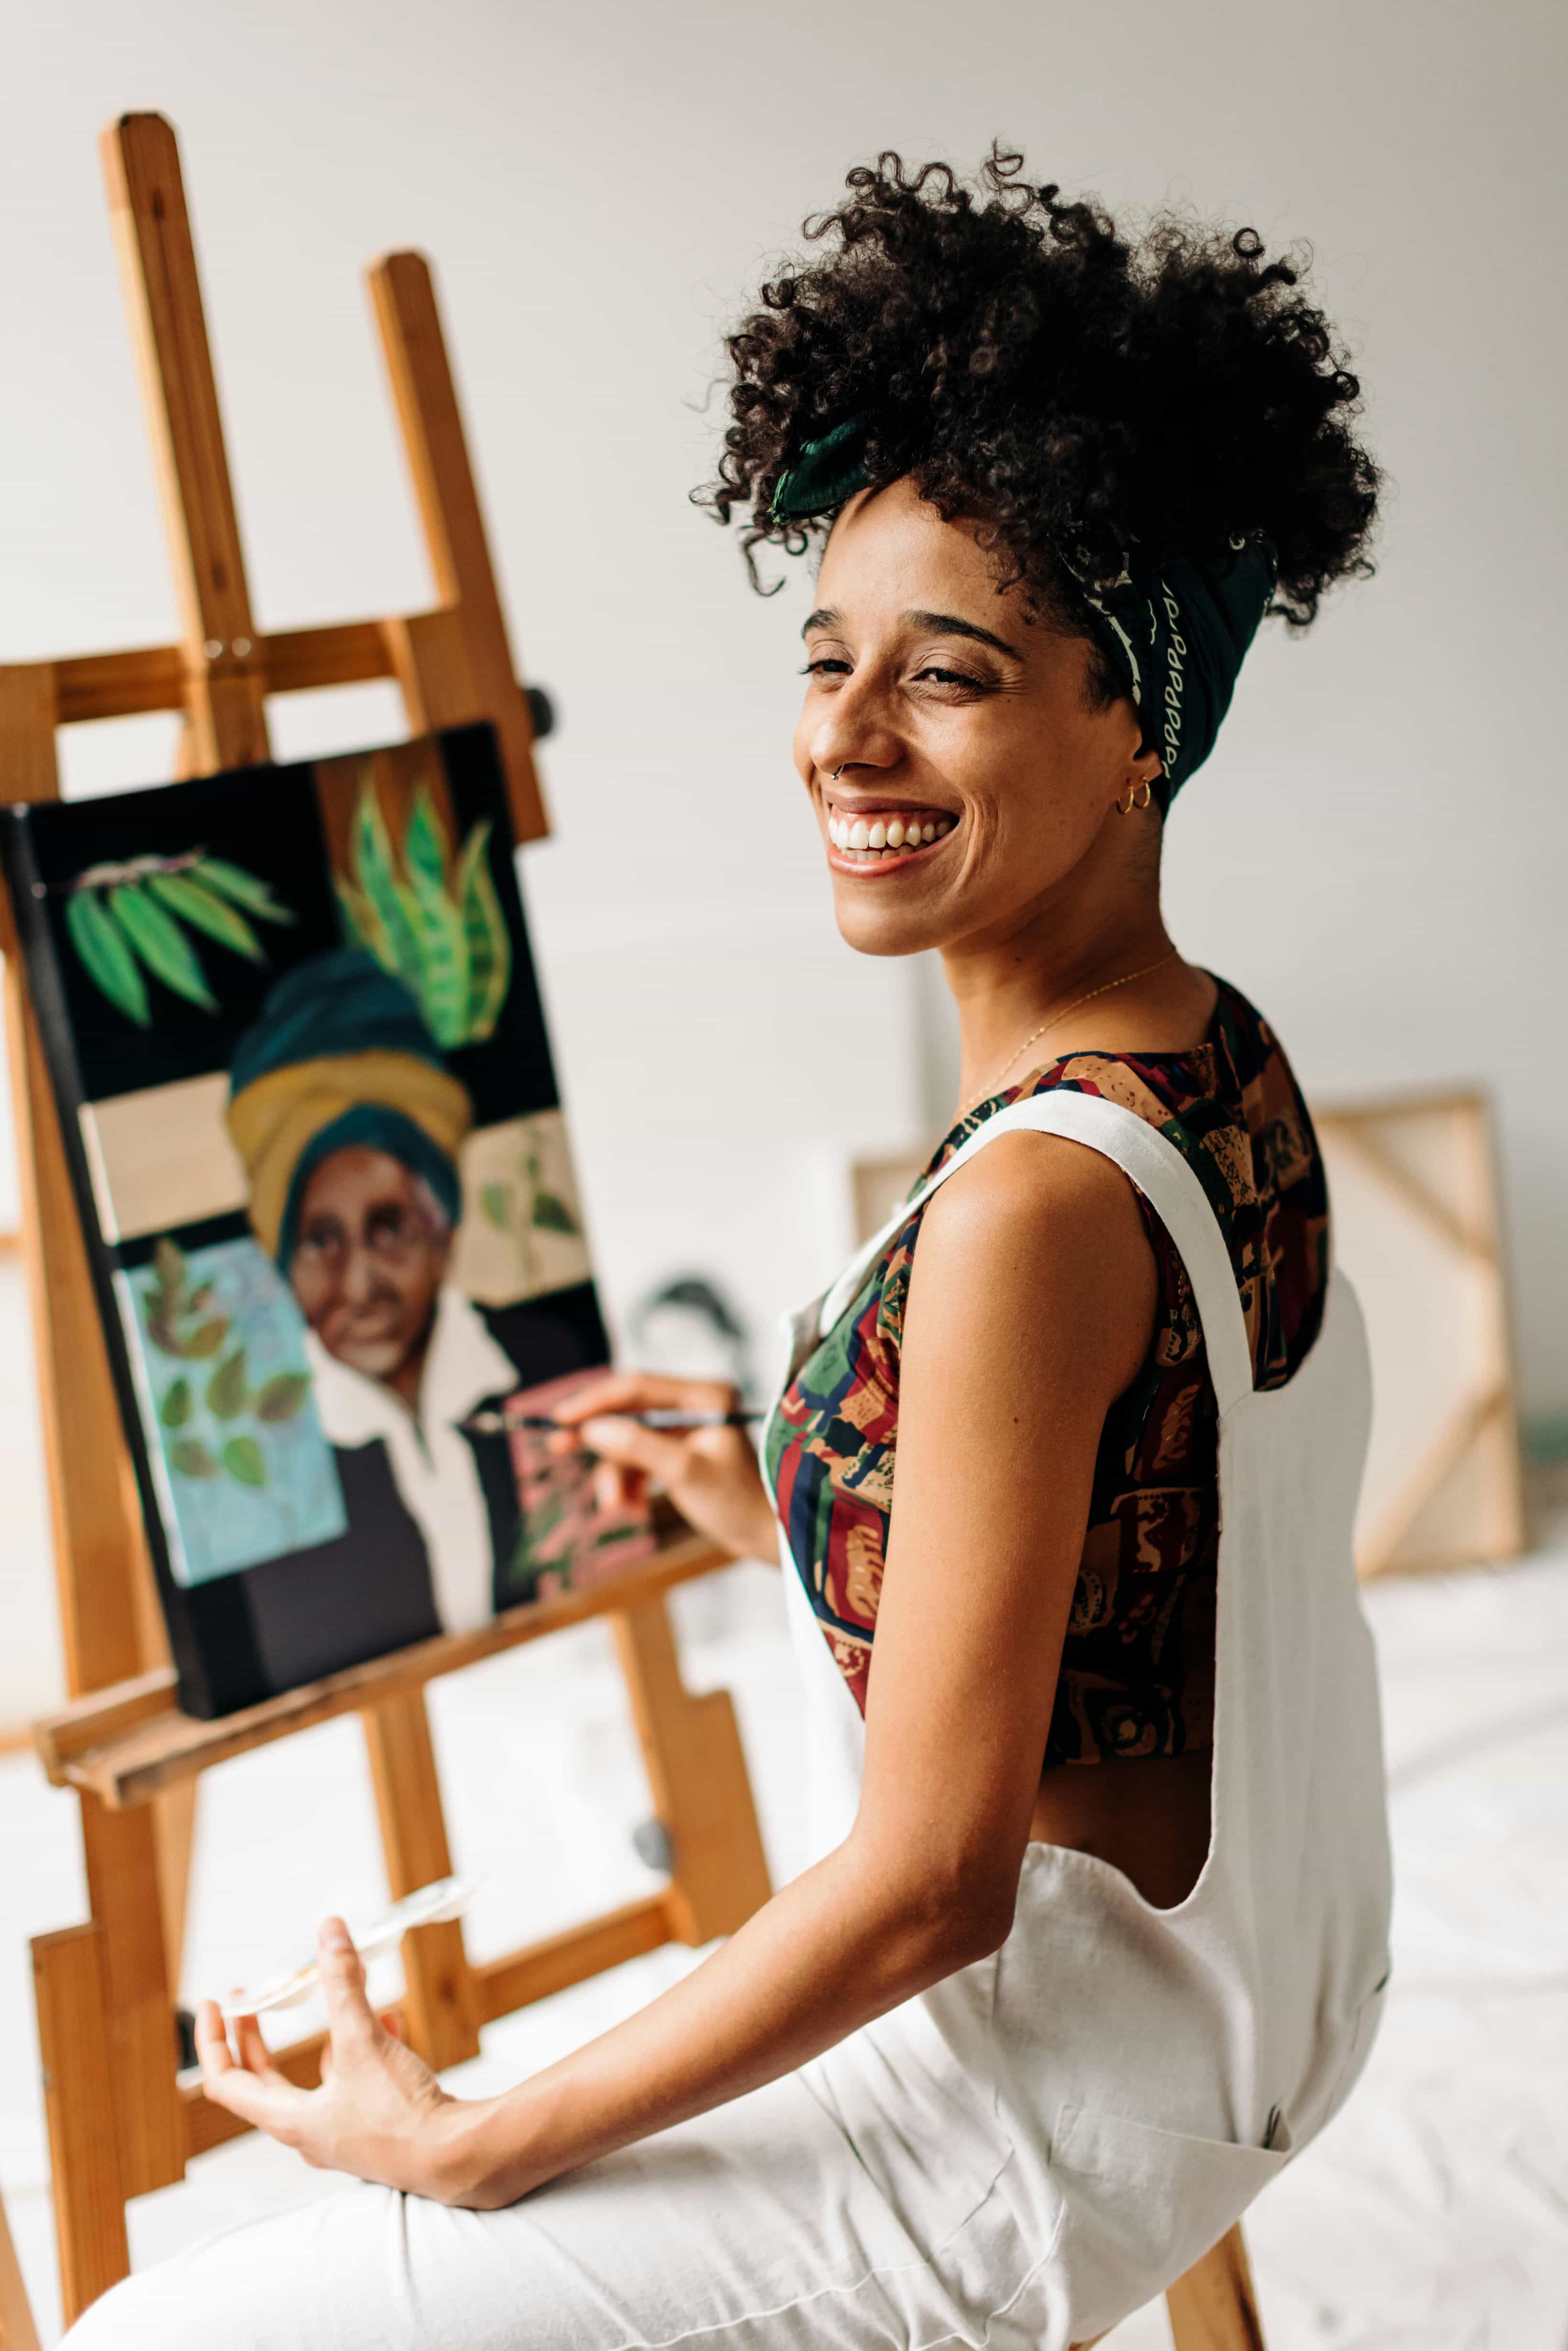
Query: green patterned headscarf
{"type": "Point", "coordinates": [1176, 633]}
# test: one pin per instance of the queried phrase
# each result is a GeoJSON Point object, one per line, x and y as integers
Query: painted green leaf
{"type": "Point", "coordinates": [495, 1205]}
{"type": "Point", "coordinates": [105, 957]}
{"type": "Point", "coordinates": [551, 1215]}
{"type": "Point", "coordinates": [207, 1339]}
{"type": "Point", "coordinates": [426, 848]}
{"type": "Point", "coordinates": [228, 1390]}
{"type": "Point", "coordinates": [169, 1266]}
{"type": "Point", "coordinates": [190, 1457]}
{"type": "Point", "coordinates": [243, 1459]}
{"type": "Point", "coordinates": [175, 1409]}
{"type": "Point", "coordinates": [246, 889]}
{"type": "Point", "coordinates": [160, 941]}
{"type": "Point", "coordinates": [281, 1396]}
{"type": "Point", "coordinates": [489, 942]}
{"type": "Point", "coordinates": [374, 875]}
{"type": "Point", "coordinates": [442, 957]}
{"type": "Point", "coordinates": [207, 912]}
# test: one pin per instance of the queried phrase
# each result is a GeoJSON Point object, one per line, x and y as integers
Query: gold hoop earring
{"type": "Point", "coordinates": [1125, 806]}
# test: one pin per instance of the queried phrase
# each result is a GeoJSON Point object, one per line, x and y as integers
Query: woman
{"type": "Point", "coordinates": [1097, 1933]}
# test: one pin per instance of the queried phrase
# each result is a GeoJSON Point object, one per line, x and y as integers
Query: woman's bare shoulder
{"type": "Point", "coordinates": [1040, 1235]}
{"type": "Point", "coordinates": [1029, 1188]}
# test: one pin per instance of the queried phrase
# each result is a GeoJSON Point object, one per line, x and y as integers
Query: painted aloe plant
{"type": "Point", "coordinates": [204, 1411]}
{"type": "Point", "coordinates": [433, 918]}
{"type": "Point", "coordinates": [128, 921]}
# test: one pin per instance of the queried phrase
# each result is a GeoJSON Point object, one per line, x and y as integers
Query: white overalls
{"type": "Point", "coordinates": [1018, 2158]}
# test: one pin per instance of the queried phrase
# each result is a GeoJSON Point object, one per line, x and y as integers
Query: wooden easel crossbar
{"type": "Point", "coordinates": [120, 2124]}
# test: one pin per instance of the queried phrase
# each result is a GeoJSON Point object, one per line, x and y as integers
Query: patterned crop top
{"type": "Point", "coordinates": [1137, 1667]}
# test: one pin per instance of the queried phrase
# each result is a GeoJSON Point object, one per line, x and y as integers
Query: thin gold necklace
{"type": "Point", "coordinates": [1061, 1014]}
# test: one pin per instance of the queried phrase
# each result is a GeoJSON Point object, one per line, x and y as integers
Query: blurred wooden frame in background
{"type": "Point", "coordinates": [1413, 1201]}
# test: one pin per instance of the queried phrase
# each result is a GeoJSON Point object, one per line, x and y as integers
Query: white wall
{"type": "Point", "coordinates": [1376, 851]}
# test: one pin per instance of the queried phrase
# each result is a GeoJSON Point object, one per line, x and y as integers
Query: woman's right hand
{"type": "Point", "coordinates": [710, 1474]}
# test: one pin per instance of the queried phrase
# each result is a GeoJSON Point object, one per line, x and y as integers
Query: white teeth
{"type": "Point", "coordinates": [882, 836]}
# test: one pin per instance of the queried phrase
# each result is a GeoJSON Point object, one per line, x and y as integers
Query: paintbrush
{"type": "Point", "coordinates": [668, 1419]}
{"type": "Point", "coordinates": [445, 1897]}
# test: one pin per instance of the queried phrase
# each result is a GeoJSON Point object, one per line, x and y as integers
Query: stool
{"type": "Point", "coordinates": [1212, 2306]}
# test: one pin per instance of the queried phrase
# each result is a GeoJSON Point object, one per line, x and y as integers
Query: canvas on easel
{"type": "Point", "coordinates": [300, 1058]}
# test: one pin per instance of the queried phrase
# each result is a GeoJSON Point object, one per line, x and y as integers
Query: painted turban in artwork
{"type": "Point", "coordinates": [340, 1055]}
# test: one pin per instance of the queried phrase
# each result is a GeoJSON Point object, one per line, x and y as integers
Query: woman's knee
{"type": "Point", "coordinates": [276, 2285]}
{"type": "Point", "coordinates": [152, 2313]}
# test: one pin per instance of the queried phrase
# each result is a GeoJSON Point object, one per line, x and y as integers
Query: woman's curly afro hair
{"type": "Point", "coordinates": [1064, 385]}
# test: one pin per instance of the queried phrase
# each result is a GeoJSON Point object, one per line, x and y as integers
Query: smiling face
{"type": "Point", "coordinates": [369, 1262]}
{"type": "Point", "coordinates": [942, 705]}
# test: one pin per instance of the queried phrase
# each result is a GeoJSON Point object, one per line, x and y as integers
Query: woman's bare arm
{"type": "Point", "coordinates": [1030, 1310]}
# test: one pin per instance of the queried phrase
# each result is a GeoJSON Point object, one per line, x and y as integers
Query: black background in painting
{"type": "Point", "coordinates": [267, 820]}
{"type": "Point", "coordinates": [264, 819]}
{"type": "Point", "coordinates": [239, 1639]}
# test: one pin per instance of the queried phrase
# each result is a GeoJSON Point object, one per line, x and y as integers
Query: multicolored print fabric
{"type": "Point", "coordinates": [1137, 1674]}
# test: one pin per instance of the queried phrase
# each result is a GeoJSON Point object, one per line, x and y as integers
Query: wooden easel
{"type": "Point", "coordinates": [120, 2122]}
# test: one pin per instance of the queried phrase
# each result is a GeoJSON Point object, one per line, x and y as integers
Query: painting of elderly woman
{"type": "Point", "coordinates": [292, 1019]}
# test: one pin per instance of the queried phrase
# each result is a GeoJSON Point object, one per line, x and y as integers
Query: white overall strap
{"type": "Point", "coordinates": [1160, 1175]}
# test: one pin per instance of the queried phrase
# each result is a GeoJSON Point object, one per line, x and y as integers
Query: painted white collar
{"type": "Point", "coordinates": [431, 1461]}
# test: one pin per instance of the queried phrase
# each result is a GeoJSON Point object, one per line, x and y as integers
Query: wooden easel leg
{"type": "Point", "coordinates": [71, 1987]}
{"type": "Point", "coordinates": [173, 1834]}
{"type": "Point", "coordinates": [696, 1770]}
{"type": "Point", "coordinates": [1212, 2308]}
{"type": "Point", "coordinates": [139, 2016]}
{"type": "Point", "coordinates": [225, 705]}
{"type": "Point", "coordinates": [438, 666]}
{"type": "Point", "coordinates": [17, 2331]}
{"type": "Point", "coordinates": [100, 1549]}
{"type": "Point", "coordinates": [440, 2001]}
